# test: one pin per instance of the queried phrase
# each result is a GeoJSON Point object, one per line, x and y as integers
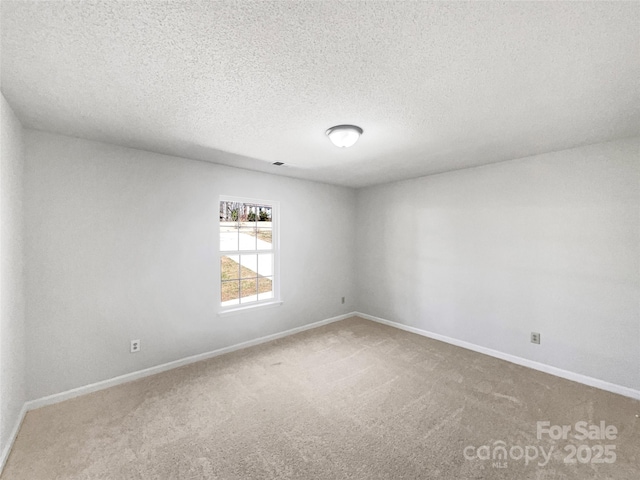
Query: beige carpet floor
{"type": "Point", "coordinates": [350, 400]}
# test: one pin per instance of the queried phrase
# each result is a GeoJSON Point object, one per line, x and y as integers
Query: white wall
{"type": "Point", "coordinates": [122, 244]}
{"type": "Point", "coordinates": [12, 338]}
{"type": "Point", "coordinates": [487, 255]}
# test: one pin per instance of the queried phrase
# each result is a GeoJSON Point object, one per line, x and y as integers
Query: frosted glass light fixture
{"type": "Point", "coordinates": [344, 135]}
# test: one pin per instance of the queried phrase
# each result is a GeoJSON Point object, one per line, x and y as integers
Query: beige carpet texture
{"type": "Point", "coordinates": [350, 400]}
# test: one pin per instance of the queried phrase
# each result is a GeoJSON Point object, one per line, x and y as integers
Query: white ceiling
{"type": "Point", "coordinates": [435, 86]}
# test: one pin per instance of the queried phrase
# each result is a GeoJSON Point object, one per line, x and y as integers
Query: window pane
{"type": "Point", "coordinates": [265, 288]}
{"type": "Point", "coordinates": [264, 214]}
{"type": "Point", "coordinates": [245, 229]}
{"type": "Point", "coordinates": [249, 267]}
{"type": "Point", "coordinates": [229, 211]}
{"type": "Point", "coordinates": [228, 236]}
{"type": "Point", "coordinates": [249, 290]}
{"type": "Point", "coordinates": [230, 291]}
{"type": "Point", "coordinates": [265, 237]}
{"type": "Point", "coordinates": [265, 264]}
{"type": "Point", "coordinates": [251, 213]}
{"type": "Point", "coordinates": [230, 267]}
{"type": "Point", "coordinates": [248, 225]}
{"type": "Point", "coordinates": [247, 238]}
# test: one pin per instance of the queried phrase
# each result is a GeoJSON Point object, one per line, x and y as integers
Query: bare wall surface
{"type": "Point", "coordinates": [12, 334]}
{"type": "Point", "coordinates": [122, 244]}
{"type": "Point", "coordinates": [547, 244]}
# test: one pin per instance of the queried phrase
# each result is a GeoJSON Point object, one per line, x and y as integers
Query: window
{"type": "Point", "coordinates": [248, 252]}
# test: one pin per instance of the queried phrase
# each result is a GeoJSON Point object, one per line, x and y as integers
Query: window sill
{"type": "Point", "coordinates": [236, 310]}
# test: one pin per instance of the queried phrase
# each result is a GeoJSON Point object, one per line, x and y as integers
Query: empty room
{"type": "Point", "coordinates": [319, 240]}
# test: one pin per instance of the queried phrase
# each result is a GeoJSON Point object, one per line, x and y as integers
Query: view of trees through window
{"type": "Point", "coordinates": [246, 252]}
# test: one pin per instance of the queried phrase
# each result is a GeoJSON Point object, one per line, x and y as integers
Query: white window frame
{"type": "Point", "coordinates": [275, 250]}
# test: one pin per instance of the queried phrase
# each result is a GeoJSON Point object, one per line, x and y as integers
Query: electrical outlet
{"type": "Point", "coordinates": [535, 337]}
{"type": "Point", "coordinates": [135, 346]}
{"type": "Point", "coordinates": [343, 300]}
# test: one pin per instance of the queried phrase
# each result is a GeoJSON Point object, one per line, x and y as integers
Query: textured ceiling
{"type": "Point", "coordinates": [435, 86]}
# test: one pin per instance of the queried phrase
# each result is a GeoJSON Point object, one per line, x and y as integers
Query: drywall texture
{"type": "Point", "coordinates": [548, 244]}
{"type": "Point", "coordinates": [122, 244]}
{"type": "Point", "coordinates": [435, 85]}
{"type": "Point", "coordinates": [12, 338]}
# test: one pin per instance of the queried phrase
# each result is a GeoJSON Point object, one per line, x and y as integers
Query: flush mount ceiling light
{"type": "Point", "coordinates": [344, 135]}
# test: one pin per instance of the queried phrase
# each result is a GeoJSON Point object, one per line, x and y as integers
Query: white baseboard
{"type": "Point", "coordinates": [12, 438]}
{"type": "Point", "coordinates": [558, 372]}
{"type": "Point", "coordinates": [59, 397]}
{"type": "Point", "coordinates": [94, 387]}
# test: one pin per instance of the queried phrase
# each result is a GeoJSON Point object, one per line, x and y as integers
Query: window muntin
{"type": "Point", "coordinates": [248, 252]}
